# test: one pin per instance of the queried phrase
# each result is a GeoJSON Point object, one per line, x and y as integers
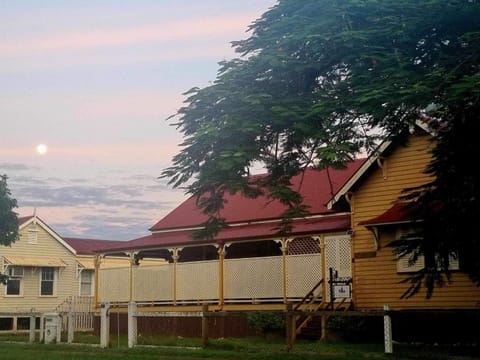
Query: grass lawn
{"type": "Point", "coordinates": [227, 349]}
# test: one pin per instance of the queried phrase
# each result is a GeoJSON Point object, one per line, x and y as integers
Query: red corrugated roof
{"type": "Point", "coordinates": [90, 246]}
{"type": "Point", "coordinates": [316, 186]}
{"type": "Point", "coordinates": [398, 213]}
{"type": "Point", "coordinates": [263, 230]}
{"type": "Point", "coordinates": [24, 219]}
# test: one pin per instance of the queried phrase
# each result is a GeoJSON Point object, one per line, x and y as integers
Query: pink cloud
{"type": "Point", "coordinates": [166, 32]}
{"type": "Point", "coordinates": [128, 105]}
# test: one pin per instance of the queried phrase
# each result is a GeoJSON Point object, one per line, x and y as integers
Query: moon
{"type": "Point", "coordinates": [42, 149]}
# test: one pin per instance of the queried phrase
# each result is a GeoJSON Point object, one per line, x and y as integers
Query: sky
{"type": "Point", "coordinates": [94, 81]}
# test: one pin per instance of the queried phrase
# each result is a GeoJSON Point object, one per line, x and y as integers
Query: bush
{"type": "Point", "coordinates": [267, 321]}
{"type": "Point", "coordinates": [357, 329]}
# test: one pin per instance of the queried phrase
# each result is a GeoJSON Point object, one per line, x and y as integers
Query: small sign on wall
{"type": "Point", "coordinates": [341, 291]}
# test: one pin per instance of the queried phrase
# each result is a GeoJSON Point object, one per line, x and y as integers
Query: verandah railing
{"type": "Point", "coordinates": [259, 279]}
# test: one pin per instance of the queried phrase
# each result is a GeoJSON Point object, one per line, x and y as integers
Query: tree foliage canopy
{"type": "Point", "coordinates": [8, 218]}
{"type": "Point", "coordinates": [317, 82]}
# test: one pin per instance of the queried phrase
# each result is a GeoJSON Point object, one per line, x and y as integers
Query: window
{"type": "Point", "coordinates": [86, 281]}
{"type": "Point", "coordinates": [403, 265]}
{"type": "Point", "coordinates": [15, 271]}
{"type": "Point", "coordinates": [47, 282]}
{"type": "Point", "coordinates": [14, 282]}
{"type": "Point", "coordinates": [14, 287]}
{"type": "Point", "coordinates": [32, 236]}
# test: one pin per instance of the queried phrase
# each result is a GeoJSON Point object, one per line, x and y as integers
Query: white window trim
{"type": "Point", "coordinates": [55, 280]}
{"type": "Point", "coordinates": [92, 278]}
{"type": "Point", "coordinates": [20, 288]}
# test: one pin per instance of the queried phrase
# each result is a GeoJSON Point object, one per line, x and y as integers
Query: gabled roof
{"type": "Point", "coordinates": [251, 219]}
{"type": "Point", "coordinates": [90, 246]}
{"type": "Point", "coordinates": [23, 220]}
{"type": "Point", "coordinates": [316, 187]}
{"type": "Point", "coordinates": [27, 220]}
{"type": "Point", "coordinates": [423, 124]}
{"type": "Point", "coordinates": [347, 186]}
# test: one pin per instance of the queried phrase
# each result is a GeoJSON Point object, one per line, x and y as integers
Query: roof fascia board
{"type": "Point", "coordinates": [349, 184]}
{"type": "Point", "coordinates": [394, 223]}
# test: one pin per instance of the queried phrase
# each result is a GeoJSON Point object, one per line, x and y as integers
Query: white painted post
{"type": "Point", "coordinates": [70, 326]}
{"type": "Point", "coordinates": [104, 325]}
{"type": "Point", "coordinates": [132, 324]}
{"type": "Point", "coordinates": [42, 328]}
{"type": "Point", "coordinates": [387, 331]}
{"type": "Point", "coordinates": [31, 337]}
{"type": "Point", "coordinates": [59, 321]}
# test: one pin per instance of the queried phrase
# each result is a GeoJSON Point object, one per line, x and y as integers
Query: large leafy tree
{"type": "Point", "coordinates": [315, 81]}
{"type": "Point", "coordinates": [8, 217]}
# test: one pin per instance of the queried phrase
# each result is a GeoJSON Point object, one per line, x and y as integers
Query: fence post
{"type": "Point", "coordinates": [387, 330]}
{"type": "Point", "coordinates": [132, 324]}
{"type": "Point", "coordinates": [59, 321]}
{"type": "Point", "coordinates": [290, 328]}
{"type": "Point", "coordinates": [204, 326]}
{"type": "Point", "coordinates": [104, 325]}
{"type": "Point", "coordinates": [70, 326]}
{"type": "Point", "coordinates": [31, 337]}
{"type": "Point", "coordinates": [42, 328]}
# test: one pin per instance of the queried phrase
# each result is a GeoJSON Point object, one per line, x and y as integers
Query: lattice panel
{"type": "Point", "coordinates": [254, 278]}
{"type": "Point", "coordinates": [303, 273]}
{"type": "Point", "coordinates": [304, 245]}
{"type": "Point", "coordinates": [153, 283]}
{"type": "Point", "coordinates": [197, 280]}
{"type": "Point", "coordinates": [114, 285]}
{"type": "Point", "coordinates": [338, 256]}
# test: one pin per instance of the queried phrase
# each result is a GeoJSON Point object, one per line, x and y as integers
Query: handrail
{"type": "Point", "coordinates": [309, 295]}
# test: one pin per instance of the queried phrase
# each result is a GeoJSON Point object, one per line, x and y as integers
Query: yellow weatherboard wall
{"type": "Point", "coordinates": [375, 278]}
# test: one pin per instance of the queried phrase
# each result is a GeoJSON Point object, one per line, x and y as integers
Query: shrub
{"type": "Point", "coordinates": [267, 321]}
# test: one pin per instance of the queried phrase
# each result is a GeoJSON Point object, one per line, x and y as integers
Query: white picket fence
{"type": "Point", "coordinates": [82, 309]}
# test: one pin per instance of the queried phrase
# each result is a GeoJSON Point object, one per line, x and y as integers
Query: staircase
{"type": "Point", "coordinates": [309, 327]}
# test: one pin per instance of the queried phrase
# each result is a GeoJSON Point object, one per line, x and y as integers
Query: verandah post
{"type": "Point", "coordinates": [96, 262]}
{"type": "Point", "coordinates": [132, 256]}
{"type": "Point", "coordinates": [175, 256]}
{"type": "Point", "coordinates": [323, 269]}
{"type": "Point", "coordinates": [284, 244]}
{"type": "Point", "coordinates": [221, 258]}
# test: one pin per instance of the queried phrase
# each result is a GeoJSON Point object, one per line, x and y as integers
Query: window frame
{"type": "Point", "coordinates": [402, 262]}
{"type": "Point", "coordinates": [20, 286]}
{"type": "Point", "coordinates": [53, 281]}
{"type": "Point", "coordinates": [81, 282]}
{"type": "Point", "coordinates": [32, 236]}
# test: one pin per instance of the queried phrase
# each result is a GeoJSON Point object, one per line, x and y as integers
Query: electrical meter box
{"type": "Point", "coordinates": [51, 327]}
